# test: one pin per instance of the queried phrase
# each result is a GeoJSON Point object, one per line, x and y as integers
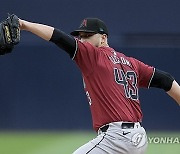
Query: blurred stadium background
{"type": "Point", "coordinates": [43, 108]}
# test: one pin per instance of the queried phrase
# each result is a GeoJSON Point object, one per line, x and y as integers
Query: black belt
{"type": "Point", "coordinates": [124, 125]}
{"type": "Point", "coordinates": [104, 128]}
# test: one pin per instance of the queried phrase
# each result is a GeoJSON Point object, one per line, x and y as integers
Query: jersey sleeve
{"type": "Point", "coordinates": [145, 74]}
{"type": "Point", "coordinates": [64, 41]}
{"type": "Point", "coordinates": [86, 57]}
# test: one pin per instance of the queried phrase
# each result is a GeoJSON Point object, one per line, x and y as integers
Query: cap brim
{"type": "Point", "coordinates": [76, 32]}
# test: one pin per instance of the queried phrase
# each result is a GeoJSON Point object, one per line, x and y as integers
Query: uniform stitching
{"type": "Point", "coordinates": [96, 144]}
{"type": "Point", "coordinates": [75, 52]}
{"type": "Point", "coordinates": [151, 78]}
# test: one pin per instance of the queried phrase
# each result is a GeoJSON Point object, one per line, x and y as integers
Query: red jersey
{"type": "Point", "coordinates": [111, 82]}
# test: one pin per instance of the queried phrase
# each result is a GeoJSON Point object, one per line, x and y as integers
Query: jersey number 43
{"type": "Point", "coordinates": [129, 82]}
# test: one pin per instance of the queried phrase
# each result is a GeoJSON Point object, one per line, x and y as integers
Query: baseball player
{"type": "Point", "coordinates": [111, 83]}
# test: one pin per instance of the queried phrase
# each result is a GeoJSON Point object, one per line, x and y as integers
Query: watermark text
{"type": "Point", "coordinates": [164, 140]}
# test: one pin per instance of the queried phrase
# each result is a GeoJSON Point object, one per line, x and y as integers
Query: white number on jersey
{"type": "Point", "coordinates": [125, 79]}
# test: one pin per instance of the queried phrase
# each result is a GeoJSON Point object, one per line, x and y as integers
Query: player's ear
{"type": "Point", "coordinates": [104, 36]}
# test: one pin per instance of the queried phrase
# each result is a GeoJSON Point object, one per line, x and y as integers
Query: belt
{"type": "Point", "coordinates": [124, 125]}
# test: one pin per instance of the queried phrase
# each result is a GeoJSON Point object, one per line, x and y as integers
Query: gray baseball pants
{"type": "Point", "coordinates": [117, 138]}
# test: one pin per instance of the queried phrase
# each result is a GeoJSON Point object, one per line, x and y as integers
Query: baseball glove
{"type": "Point", "coordinates": [9, 34]}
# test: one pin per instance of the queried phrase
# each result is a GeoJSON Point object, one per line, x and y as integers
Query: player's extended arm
{"type": "Point", "coordinates": [165, 81]}
{"type": "Point", "coordinates": [40, 30]}
{"type": "Point", "coordinates": [48, 33]}
{"type": "Point", "coordinates": [174, 92]}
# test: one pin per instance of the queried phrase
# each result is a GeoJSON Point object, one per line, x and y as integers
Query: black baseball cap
{"type": "Point", "coordinates": [91, 25]}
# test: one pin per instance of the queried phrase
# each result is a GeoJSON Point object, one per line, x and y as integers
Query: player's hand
{"type": "Point", "coordinates": [21, 24]}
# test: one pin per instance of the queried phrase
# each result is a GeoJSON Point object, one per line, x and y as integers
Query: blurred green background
{"type": "Point", "coordinates": [66, 142]}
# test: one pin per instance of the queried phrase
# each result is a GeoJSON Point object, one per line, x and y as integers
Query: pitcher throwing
{"type": "Point", "coordinates": [111, 83]}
